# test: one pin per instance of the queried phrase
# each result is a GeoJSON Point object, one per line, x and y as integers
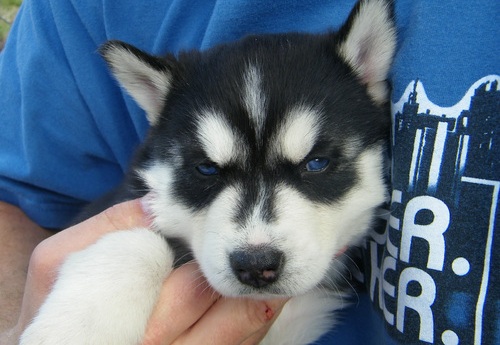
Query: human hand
{"type": "Point", "coordinates": [189, 311]}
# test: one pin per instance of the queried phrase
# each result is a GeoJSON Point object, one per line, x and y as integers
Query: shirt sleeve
{"type": "Point", "coordinates": [60, 112]}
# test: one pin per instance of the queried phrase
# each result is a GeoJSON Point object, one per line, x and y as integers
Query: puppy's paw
{"type": "Point", "coordinates": [105, 293]}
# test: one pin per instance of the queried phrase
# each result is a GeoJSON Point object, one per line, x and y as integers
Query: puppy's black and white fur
{"type": "Point", "coordinates": [265, 160]}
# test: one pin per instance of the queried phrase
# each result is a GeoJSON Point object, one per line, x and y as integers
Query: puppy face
{"type": "Point", "coordinates": [269, 227]}
{"type": "Point", "coordinates": [266, 155]}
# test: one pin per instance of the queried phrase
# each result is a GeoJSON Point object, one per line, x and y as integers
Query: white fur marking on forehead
{"type": "Point", "coordinates": [254, 98]}
{"type": "Point", "coordinates": [298, 134]}
{"type": "Point", "coordinates": [220, 141]}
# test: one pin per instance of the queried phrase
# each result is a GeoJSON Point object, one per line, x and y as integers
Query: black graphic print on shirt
{"type": "Point", "coordinates": [433, 273]}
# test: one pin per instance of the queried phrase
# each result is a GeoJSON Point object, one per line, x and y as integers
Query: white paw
{"type": "Point", "coordinates": [105, 293]}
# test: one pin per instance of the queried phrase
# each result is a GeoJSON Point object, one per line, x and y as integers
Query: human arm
{"type": "Point", "coordinates": [18, 238]}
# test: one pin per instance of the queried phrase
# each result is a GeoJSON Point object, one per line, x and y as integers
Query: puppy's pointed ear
{"type": "Point", "coordinates": [367, 42]}
{"type": "Point", "coordinates": [146, 78]}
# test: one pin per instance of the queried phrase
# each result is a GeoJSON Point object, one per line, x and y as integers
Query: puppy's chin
{"type": "Point", "coordinates": [257, 294]}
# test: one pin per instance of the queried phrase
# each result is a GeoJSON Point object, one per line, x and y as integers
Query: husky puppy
{"type": "Point", "coordinates": [265, 160]}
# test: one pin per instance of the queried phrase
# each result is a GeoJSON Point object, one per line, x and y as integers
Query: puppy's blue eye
{"type": "Point", "coordinates": [317, 164]}
{"type": "Point", "coordinates": [207, 169]}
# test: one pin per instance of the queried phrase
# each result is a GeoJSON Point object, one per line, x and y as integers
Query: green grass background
{"type": "Point", "coordinates": [8, 10]}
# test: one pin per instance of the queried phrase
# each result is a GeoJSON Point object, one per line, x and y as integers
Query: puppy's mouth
{"type": "Point", "coordinates": [260, 273]}
{"type": "Point", "coordinates": [254, 271]}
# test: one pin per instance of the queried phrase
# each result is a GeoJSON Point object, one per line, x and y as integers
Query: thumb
{"type": "Point", "coordinates": [123, 216]}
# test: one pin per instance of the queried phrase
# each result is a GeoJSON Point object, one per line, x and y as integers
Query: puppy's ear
{"type": "Point", "coordinates": [146, 78]}
{"type": "Point", "coordinates": [367, 42]}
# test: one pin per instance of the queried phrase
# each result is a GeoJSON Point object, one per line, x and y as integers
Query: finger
{"type": "Point", "coordinates": [234, 321]}
{"type": "Point", "coordinates": [257, 337]}
{"type": "Point", "coordinates": [185, 297]}
{"type": "Point", "coordinates": [126, 215]}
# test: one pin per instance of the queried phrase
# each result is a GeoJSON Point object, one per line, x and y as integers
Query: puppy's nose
{"type": "Point", "coordinates": [257, 266]}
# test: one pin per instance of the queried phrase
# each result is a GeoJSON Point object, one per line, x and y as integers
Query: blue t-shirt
{"type": "Point", "coordinates": [67, 133]}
